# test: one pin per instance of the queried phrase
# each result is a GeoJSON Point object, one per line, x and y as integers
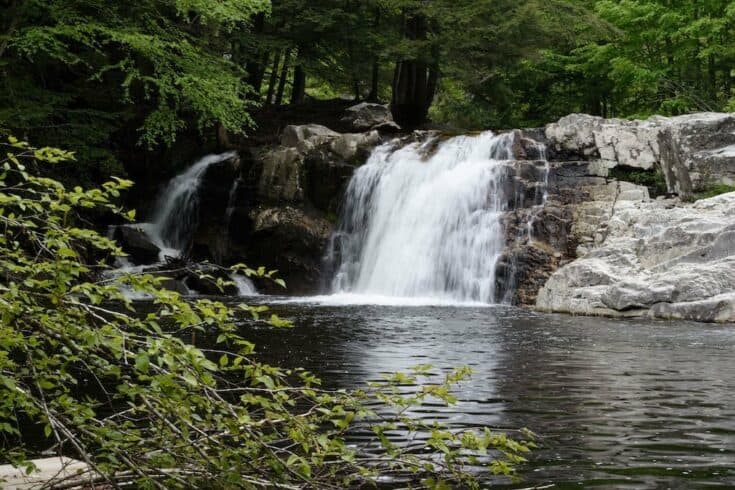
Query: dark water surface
{"type": "Point", "coordinates": [617, 404]}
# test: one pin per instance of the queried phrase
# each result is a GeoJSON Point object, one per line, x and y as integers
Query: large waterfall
{"type": "Point", "coordinates": [424, 221]}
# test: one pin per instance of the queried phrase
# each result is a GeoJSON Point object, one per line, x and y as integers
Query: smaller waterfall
{"type": "Point", "coordinates": [231, 203]}
{"type": "Point", "coordinates": [176, 220]}
{"type": "Point", "coordinates": [177, 210]}
{"type": "Point", "coordinates": [245, 286]}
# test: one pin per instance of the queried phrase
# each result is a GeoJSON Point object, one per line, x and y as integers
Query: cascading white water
{"type": "Point", "coordinates": [425, 226]}
{"type": "Point", "coordinates": [177, 217]}
{"type": "Point", "coordinates": [177, 210]}
{"type": "Point", "coordinates": [541, 148]}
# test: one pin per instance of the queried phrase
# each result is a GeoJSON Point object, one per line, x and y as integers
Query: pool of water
{"type": "Point", "coordinates": [616, 403]}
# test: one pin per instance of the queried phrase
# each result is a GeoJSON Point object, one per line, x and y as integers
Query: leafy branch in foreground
{"type": "Point", "coordinates": [93, 376]}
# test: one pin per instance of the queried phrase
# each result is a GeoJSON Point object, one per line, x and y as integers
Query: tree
{"type": "Point", "coordinates": [657, 56]}
{"type": "Point", "coordinates": [90, 73]}
{"type": "Point", "coordinates": [123, 390]}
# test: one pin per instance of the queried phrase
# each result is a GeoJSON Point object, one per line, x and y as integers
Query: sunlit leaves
{"type": "Point", "coordinates": [172, 395]}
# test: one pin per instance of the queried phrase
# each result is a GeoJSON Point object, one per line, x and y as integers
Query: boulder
{"type": "Point", "coordinates": [186, 277]}
{"type": "Point", "coordinates": [367, 115]}
{"type": "Point", "coordinates": [282, 176]}
{"type": "Point", "coordinates": [312, 165]}
{"type": "Point", "coordinates": [307, 136]}
{"type": "Point", "coordinates": [216, 192]}
{"type": "Point", "coordinates": [136, 242]}
{"type": "Point", "coordinates": [706, 143]}
{"type": "Point", "coordinates": [292, 241]}
{"type": "Point", "coordinates": [51, 472]}
{"type": "Point", "coordinates": [573, 136]}
{"type": "Point", "coordinates": [661, 259]}
{"type": "Point", "coordinates": [631, 144]}
{"type": "Point", "coordinates": [354, 145]}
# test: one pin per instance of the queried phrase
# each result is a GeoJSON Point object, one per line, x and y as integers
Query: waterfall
{"type": "Point", "coordinates": [424, 221]}
{"type": "Point", "coordinates": [541, 149]}
{"type": "Point", "coordinates": [231, 202]}
{"type": "Point", "coordinates": [177, 210]}
{"type": "Point", "coordinates": [176, 219]}
{"type": "Point", "coordinates": [245, 286]}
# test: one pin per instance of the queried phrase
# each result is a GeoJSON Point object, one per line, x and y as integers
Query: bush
{"type": "Point", "coordinates": [713, 191]}
{"type": "Point", "coordinates": [653, 179]}
{"type": "Point", "coordinates": [83, 372]}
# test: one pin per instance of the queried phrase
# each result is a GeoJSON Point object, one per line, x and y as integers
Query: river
{"type": "Point", "coordinates": [616, 403]}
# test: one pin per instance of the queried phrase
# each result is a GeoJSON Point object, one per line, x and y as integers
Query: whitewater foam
{"type": "Point", "coordinates": [423, 223]}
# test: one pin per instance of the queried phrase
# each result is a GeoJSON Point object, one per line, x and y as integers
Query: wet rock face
{"type": "Point", "coordinates": [136, 243]}
{"type": "Point", "coordinates": [527, 260]}
{"type": "Point", "coordinates": [291, 240]}
{"type": "Point", "coordinates": [210, 241]}
{"type": "Point", "coordinates": [538, 226]}
{"type": "Point", "coordinates": [312, 165]}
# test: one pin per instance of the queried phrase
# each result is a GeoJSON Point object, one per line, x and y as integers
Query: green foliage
{"type": "Point", "coordinates": [100, 75]}
{"type": "Point", "coordinates": [713, 191]}
{"type": "Point", "coordinates": [116, 384]}
{"type": "Point", "coordinates": [630, 58]}
{"type": "Point", "coordinates": [84, 73]}
{"type": "Point", "coordinates": [653, 179]}
{"type": "Point", "coordinates": [661, 58]}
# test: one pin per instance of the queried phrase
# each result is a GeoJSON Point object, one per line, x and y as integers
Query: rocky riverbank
{"type": "Point", "coordinates": [600, 215]}
{"type": "Point", "coordinates": [667, 257]}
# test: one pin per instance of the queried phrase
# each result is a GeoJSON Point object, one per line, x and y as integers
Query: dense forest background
{"type": "Point", "coordinates": [124, 83]}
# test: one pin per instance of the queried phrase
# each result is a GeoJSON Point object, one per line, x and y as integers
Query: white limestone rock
{"type": "Point", "coordinates": [661, 259]}
{"type": "Point", "coordinates": [694, 151]}
{"type": "Point", "coordinates": [628, 143]}
{"type": "Point", "coordinates": [51, 472]}
{"type": "Point", "coordinates": [574, 133]}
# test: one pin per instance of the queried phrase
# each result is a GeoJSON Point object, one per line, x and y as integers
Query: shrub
{"type": "Point", "coordinates": [121, 389]}
{"type": "Point", "coordinates": [713, 191]}
{"type": "Point", "coordinates": [653, 179]}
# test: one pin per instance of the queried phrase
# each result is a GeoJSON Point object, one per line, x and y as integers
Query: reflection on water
{"type": "Point", "coordinates": [617, 403]}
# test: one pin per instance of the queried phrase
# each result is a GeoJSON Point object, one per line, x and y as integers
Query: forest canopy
{"type": "Point", "coordinates": [102, 76]}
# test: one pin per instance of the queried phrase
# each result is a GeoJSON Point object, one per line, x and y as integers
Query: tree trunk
{"type": "Point", "coordinates": [16, 7]}
{"type": "Point", "coordinates": [273, 78]}
{"type": "Point", "coordinates": [374, 82]}
{"type": "Point", "coordinates": [413, 92]}
{"type": "Point", "coordinates": [415, 81]}
{"type": "Point", "coordinates": [298, 92]}
{"type": "Point", "coordinates": [256, 67]}
{"type": "Point", "coordinates": [712, 73]}
{"type": "Point", "coordinates": [284, 76]}
{"type": "Point", "coordinates": [223, 137]}
{"type": "Point", "coordinates": [256, 72]}
{"type": "Point", "coordinates": [375, 78]}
